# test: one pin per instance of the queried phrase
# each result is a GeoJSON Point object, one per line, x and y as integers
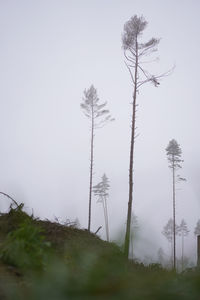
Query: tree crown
{"type": "Point", "coordinates": [174, 152]}
{"type": "Point", "coordinates": [168, 230]}
{"type": "Point", "coordinates": [93, 110]}
{"type": "Point", "coordinates": [132, 29]}
{"type": "Point", "coordinates": [101, 189]}
{"type": "Point", "coordinates": [135, 51]}
{"type": "Point", "coordinates": [183, 229]}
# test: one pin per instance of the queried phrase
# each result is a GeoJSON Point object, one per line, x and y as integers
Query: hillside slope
{"type": "Point", "coordinates": [45, 260]}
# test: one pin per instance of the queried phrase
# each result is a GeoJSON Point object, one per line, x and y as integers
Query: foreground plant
{"type": "Point", "coordinates": [25, 247]}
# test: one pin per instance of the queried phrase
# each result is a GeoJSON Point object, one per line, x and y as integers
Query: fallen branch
{"type": "Point", "coordinates": [6, 195]}
{"type": "Point", "coordinates": [98, 229]}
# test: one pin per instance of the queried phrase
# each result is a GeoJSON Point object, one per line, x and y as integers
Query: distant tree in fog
{"type": "Point", "coordinates": [168, 231]}
{"type": "Point", "coordinates": [101, 191]}
{"type": "Point", "coordinates": [77, 223]}
{"type": "Point", "coordinates": [135, 52]}
{"type": "Point", "coordinates": [161, 256]}
{"type": "Point", "coordinates": [98, 116]}
{"type": "Point", "coordinates": [184, 263]}
{"type": "Point", "coordinates": [197, 228]}
{"type": "Point", "coordinates": [183, 232]}
{"type": "Point", "coordinates": [134, 229]}
{"type": "Point", "coordinates": [174, 152]}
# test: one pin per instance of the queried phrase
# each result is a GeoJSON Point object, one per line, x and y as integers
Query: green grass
{"type": "Point", "coordinates": [45, 260]}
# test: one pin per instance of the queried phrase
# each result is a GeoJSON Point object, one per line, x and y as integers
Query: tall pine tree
{"type": "Point", "coordinates": [98, 117]}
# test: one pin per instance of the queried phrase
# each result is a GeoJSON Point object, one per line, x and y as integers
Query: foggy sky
{"type": "Point", "coordinates": [50, 52]}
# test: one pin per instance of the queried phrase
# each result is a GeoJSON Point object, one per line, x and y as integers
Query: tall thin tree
{"type": "Point", "coordinates": [101, 191]}
{"type": "Point", "coordinates": [174, 152]}
{"type": "Point", "coordinates": [135, 53]}
{"type": "Point", "coordinates": [98, 116]}
{"type": "Point", "coordinates": [183, 231]}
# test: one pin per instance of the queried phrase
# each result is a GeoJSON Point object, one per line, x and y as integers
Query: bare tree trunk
{"type": "Point", "coordinates": [91, 173]}
{"type": "Point", "coordinates": [128, 224]}
{"type": "Point", "coordinates": [104, 212]}
{"type": "Point", "coordinates": [174, 217]}
{"type": "Point", "coordinates": [182, 251]}
{"type": "Point", "coordinates": [198, 251]}
{"type": "Point", "coordinates": [106, 217]}
{"type": "Point", "coordinates": [172, 261]}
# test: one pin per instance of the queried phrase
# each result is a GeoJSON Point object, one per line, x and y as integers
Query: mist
{"type": "Point", "coordinates": [51, 51]}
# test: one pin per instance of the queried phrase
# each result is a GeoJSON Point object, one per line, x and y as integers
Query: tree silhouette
{"type": "Point", "coordinates": [98, 116]}
{"type": "Point", "coordinates": [183, 231]}
{"type": "Point", "coordinates": [101, 191]}
{"type": "Point", "coordinates": [168, 232]}
{"type": "Point", "coordinates": [174, 152]}
{"type": "Point", "coordinates": [134, 53]}
{"type": "Point", "coordinates": [161, 255]}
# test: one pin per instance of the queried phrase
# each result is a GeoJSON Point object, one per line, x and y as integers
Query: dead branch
{"type": "Point", "coordinates": [98, 230]}
{"type": "Point", "coordinates": [13, 200]}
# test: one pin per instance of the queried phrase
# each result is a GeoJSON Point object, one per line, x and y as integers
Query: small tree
{"type": "Point", "coordinates": [98, 116]}
{"type": "Point", "coordinates": [183, 231]}
{"type": "Point", "coordinates": [174, 158]}
{"type": "Point", "coordinates": [134, 53]}
{"type": "Point", "coordinates": [168, 231]}
{"type": "Point", "coordinates": [77, 223]}
{"type": "Point", "coordinates": [197, 228]}
{"type": "Point", "coordinates": [101, 191]}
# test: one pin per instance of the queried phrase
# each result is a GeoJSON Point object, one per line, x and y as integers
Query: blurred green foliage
{"type": "Point", "coordinates": [43, 260]}
{"type": "Point", "coordinates": [24, 247]}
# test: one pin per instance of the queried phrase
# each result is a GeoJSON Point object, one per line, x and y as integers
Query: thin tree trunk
{"type": "Point", "coordinates": [128, 224]}
{"type": "Point", "coordinates": [106, 214]}
{"type": "Point", "coordinates": [174, 217]}
{"type": "Point", "coordinates": [182, 250]}
{"type": "Point", "coordinates": [172, 261]}
{"type": "Point", "coordinates": [91, 172]}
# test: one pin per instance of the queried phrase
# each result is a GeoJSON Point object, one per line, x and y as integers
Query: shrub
{"type": "Point", "coordinates": [25, 247]}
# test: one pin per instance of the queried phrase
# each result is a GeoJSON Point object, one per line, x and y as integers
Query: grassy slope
{"type": "Point", "coordinates": [68, 263]}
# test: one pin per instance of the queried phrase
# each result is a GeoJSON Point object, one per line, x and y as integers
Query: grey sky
{"type": "Point", "coordinates": [50, 52]}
